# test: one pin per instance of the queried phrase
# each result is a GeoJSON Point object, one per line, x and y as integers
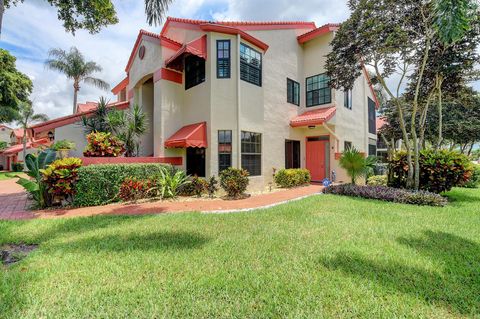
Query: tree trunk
{"type": "Point", "coordinates": [76, 88]}
{"type": "Point", "coordinates": [413, 126]}
{"type": "Point", "coordinates": [471, 149]}
{"type": "Point", "coordinates": [423, 120]}
{"type": "Point", "coordinates": [438, 83]}
{"type": "Point", "coordinates": [2, 10]}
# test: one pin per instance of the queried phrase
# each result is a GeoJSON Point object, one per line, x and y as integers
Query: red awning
{"type": "Point", "coordinates": [196, 47]}
{"type": "Point", "coordinates": [315, 117]}
{"type": "Point", "coordinates": [193, 135]}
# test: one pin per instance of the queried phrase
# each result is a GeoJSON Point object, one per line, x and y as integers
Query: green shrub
{"type": "Point", "coordinates": [100, 184]}
{"type": "Point", "coordinates": [439, 171]}
{"type": "Point", "coordinates": [18, 167]}
{"type": "Point", "coordinates": [356, 164]}
{"type": "Point", "coordinates": [288, 178]}
{"type": "Point", "coordinates": [168, 182]}
{"type": "Point", "coordinates": [199, 186]}
{"type": "Point", "coordinates": [63, 145]}
{"type": "Point", "coordinates": [61, 177]}
{"type": "Point", "coordinates": [234, 181]}
{"type": "Point", "coordinates": [212, 186]}
{"type": "Point", "coordinates": [474, 180]}
{"type": "Point", "coordinates": [101, 144]}
{"type": "Point", "coordinates": [377, 180]}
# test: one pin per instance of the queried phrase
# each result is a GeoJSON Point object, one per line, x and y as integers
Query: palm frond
{"type": "Point", "coordinates": [91, 67]}
{"type": "Point", "coordinates": [58, 65]}
{"type": "Point", "coordinates": [99, 83]}
{"type": "Point", "coordinates": [155, 10]}
{"type": "Point", "coordinates": [40, 117]}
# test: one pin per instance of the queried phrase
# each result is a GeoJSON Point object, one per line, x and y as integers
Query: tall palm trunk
{"type": "Point", "coordinates": [438, 83]}
{"type": "Point", "coordinates": [76, 88]}
{"type": "Point", "coordinates": [24, 146]}
{"type": "Point", "coordinates": [2, 10]}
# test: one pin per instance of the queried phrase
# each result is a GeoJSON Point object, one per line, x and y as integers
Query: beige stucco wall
{"type": "Point", "coordinates": [75, 133]}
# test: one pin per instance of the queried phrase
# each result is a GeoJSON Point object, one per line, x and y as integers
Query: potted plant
{"type": "Point", "coordinates": [63, 147]}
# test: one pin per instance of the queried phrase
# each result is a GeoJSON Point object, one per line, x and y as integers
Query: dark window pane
{"type": "Point", "coordinates": [194, 71]}
{"type": "Point", "coordinates": [250, 65]}
{"type": "Point", "coordinates": [223, 59]}
{"type": "Point", "coordinates": [372, 117]}
{"type": "Point", "coordinates": [292, 154]}
{"type": "Point", "coordinates": [224, 149]}
{"type": "Point", "coordinates": [251, 145]}
{"type": "Point", "coordinates": [318, 90]}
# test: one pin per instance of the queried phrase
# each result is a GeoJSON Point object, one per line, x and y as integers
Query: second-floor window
{"type": "Point", "coordinates": [318, 90]}
{"type": "Point", "coordinates": [372, 117]}
{"type": "Point", "coordinates": [250, 65]}
{"type": "Point", "coordinates": [194, 71]}
{"type": "Point", "coordinates": [223, 59]}
{"type": "Point", "coordinates": [347, 145]}
{"type": "Point", "coordinates": [293, 92]}
{"type": "Point", "coordinates": [347, 99]}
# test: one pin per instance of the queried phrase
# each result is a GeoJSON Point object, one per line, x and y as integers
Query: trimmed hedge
{"type": "Point", "coordinates": [292, 177]}
{"type": "Point", "coordinates": [388, 194]}
{"type": "Point", "coordinates": [440, 171]}
{"type": "Point", "coordinates": [100, 184]}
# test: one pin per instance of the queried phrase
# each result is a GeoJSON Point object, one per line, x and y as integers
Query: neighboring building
{"type": "Point", "coordinates": [5, 132]}
{"type": "Point", "coordinates": [246, 94]}
{"type": "Point", "coordinates": [382, 149]}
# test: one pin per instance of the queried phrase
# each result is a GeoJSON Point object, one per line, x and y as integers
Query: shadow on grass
{"type": "Point", "coordinates": [164, 240]}
{"type": "Point", "coordinates": [463, 198]}
{"type": "Point", "coordinates": [455, 284]}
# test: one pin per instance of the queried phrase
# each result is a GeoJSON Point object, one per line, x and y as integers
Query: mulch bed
{"type": "Point", "coordinates": [12, 253]}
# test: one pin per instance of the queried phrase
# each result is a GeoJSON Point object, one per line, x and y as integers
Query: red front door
{"type": "Point", "coordinates": [316, 153]}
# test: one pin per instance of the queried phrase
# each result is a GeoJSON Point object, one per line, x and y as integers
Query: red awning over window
{"type": "Point", "coordinates": [196, 47]}
{"type": "Point", "coordinates": [315, 117]}
{"type": "Point", "coordinates": [193, 135]}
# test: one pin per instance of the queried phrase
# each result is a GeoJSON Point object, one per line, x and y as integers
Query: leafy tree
{"type": "Point", "coordinates": [25, 117]}
{"type": "Point", "coordinates": [92, 15]}
{"type": "Point", "coordinates": [74, 66]}
{"type": "Point", "coordinates": [15, 87]}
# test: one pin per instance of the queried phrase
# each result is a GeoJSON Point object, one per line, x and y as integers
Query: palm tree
{"type": "Point", "coordinates": [74, 66]}
{"type": "Point", "coordinates": [155, 10]}
{"type": "Point", "coordinates": [26, 116]}
{"type": "Point", "coordinates": [356, 164]}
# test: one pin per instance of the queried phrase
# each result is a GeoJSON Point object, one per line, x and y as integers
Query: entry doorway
{"type": "Point", "coordinates": [196, 161]}
{"type": "Point", "coordinates": [318, 157]}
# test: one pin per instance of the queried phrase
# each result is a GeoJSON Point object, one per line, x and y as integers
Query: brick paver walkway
{"type": "Point", "coordinates": [14, 204]}
{"type": "Point", "coordinates": [13, 201]}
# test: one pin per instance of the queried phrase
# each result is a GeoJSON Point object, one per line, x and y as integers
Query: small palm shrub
{"type": "Point", "coordinates": [293, 177]}
{"type": "Point", "coordinates": [355, 164]}
{"type": "Point", "coordinates": [61, 177]}
{"type": "Point", "coordinates": [102, 144]}
{"type": "Point", "coordinates": [377, 180]}
{"type": "Point", "coordinates": [35, 184]}
{"type": "Point", "coordinates": [63, 145]}
{"type": "Point", "coordinates": [234, 181]}
{"type": "Point", "coordinates": [440, 171]}
{"type": "Point", "coordinates": [169, 182]}
{"type": "Point", "coordinates": [388, 194]}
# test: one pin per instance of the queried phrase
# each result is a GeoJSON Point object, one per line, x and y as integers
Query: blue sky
{"type": "Point", "coordinates": [32, 28]}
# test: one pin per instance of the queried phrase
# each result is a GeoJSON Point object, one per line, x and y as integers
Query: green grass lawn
{"type": "Point", "coordinates": [7, 175]}
{"type": "Point", "coordinates": [322, 257]}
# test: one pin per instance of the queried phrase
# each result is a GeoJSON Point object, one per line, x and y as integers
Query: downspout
{"type": "Point", "coordinates": [239, 131]}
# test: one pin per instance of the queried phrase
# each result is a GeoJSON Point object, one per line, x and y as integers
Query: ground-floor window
{"type": "Point", "coordinates": [292, 154]}
{"type": "Point", "coordinates": [372, 147]}
{"type": "Point", "coordinates": [347, 145]}
{"type": "Point", "coordinates": [196, 161]}
{"type": "Point", "coordinates": [224, 149]}
{"type": "Point", "coordinates": [252, 153]}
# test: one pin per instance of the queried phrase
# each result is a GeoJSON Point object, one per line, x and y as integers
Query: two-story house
{"type": "Point", "coordinates": [246, 94]}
